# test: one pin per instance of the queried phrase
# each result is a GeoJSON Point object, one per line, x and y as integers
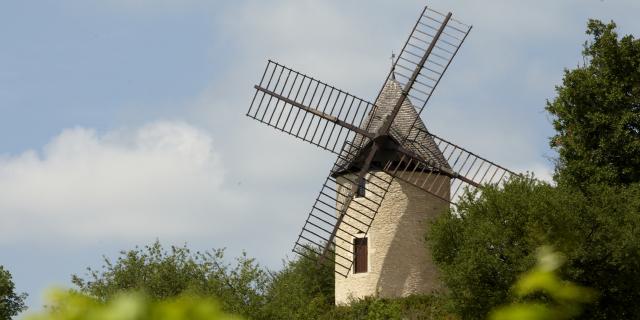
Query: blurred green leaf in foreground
{"type": "Point", "coordinates": [554, 298]}
{"type": "Point", "coordinates": [67, 305]}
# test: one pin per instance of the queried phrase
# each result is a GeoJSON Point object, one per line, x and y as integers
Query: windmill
{"type": "Point", "coordinates": [388, 167]}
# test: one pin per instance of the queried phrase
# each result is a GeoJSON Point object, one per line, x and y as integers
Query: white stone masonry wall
{"type": "Point", "coordinates": [399, 262]}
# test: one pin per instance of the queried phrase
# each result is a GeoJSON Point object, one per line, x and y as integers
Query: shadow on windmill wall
{"type": "Point", "coordinates": [407, 267]}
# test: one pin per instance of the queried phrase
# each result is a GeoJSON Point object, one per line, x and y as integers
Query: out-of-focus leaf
{"type": "Point", "coordinates": [66, 305]}
{"type": "Point", "coordinates": [522, 311]}
{"type": "Point", "coordinates": [535, 281]}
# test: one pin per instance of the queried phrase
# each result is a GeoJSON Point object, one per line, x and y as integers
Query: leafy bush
{"type": "Point", "coordinates": [423, 307]}
{"type": "Point", "coordinates": [303, 289]}
{"type": "Point", "coordinates": [163, 274]}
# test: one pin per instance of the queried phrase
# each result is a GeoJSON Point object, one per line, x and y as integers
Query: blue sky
{"type": "Point", "coordinates": [122, 121]}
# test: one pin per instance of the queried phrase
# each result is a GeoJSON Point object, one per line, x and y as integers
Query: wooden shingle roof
{"type": "Point", "coordinates": [423, 146]}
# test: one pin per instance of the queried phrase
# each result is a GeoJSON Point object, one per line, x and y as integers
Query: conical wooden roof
{"type": "Point", "coordinates": [423, 145]}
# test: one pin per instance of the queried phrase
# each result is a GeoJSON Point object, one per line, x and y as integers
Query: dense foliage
{"type": "Point", "coordinates": [165, 274]}
{"type": "Point", "coordinates": [417, 307]}
{"type": "Point", "coordinates": [301, 290]}
{"type": "Point", "coordinates": [597, 112]}
{"type": "Point", "coordinates": [11, 303]}
{"type": "Point", "coordinates": [481, 249]}
{"type": "Point", "coordinates": [592, 215]}
{"type": "Point", "coordinates": [66, 305]}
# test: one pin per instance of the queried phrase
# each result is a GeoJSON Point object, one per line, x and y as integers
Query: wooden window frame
{"type": "Point", "coordinates": [360, 259]}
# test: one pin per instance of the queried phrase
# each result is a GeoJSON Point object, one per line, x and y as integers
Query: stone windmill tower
{"type": "Point", "coordinates": [391, 176]}
{"type": "Point", "coordinates": [391, 259]}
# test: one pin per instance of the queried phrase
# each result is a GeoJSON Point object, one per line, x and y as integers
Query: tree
{"type": "Point", "coordinates": [303, 289]}
{"type": "Point", "coordinates": [481, 248]}
{"type": "Point", "coordinates": [163, 274]}
{"type": "Point", "coordinates": [592, 215]}
{"type": "Point", "coordinates": [11, 303]}
{"type": "Point", "coordinates": [597, 112]}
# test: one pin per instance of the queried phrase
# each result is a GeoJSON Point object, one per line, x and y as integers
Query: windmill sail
{"type": "Point", "coordinates": [375, 143]}
{"type": "Point", "coordinates": [438, 37]}
{"type": "Point", "coordinates": [464, 171]}
{"type": "Point", "coordinates": [337, 216]}
{"type": "Point", "coordinates": [307, 108]}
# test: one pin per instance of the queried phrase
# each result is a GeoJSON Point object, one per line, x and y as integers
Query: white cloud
{"type": "Point", "coordinates": [160, 180]}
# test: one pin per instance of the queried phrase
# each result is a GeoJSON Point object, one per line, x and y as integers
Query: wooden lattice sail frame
{"type": "Point", "coordinates": [374, 142]}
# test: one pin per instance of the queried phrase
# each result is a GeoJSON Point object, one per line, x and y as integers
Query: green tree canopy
{"type": "Point", "coordinates": [593, 215]}
{"type": "Point", "coordinates": [597, 111]}
{"type": "Point", "coordinates": [482, 248]}
{"type": "Point", "coordinates": [303, 289]}
{"type": "Point", "coordinates": [163, 274]}
{"type": "Point", "coordinates": [11, 303]}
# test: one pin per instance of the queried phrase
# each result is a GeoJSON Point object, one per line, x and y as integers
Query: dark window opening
{"type": "Point", "coordinates": [360, 255]}
{"type": "Point", "coordinates": [362, 187]}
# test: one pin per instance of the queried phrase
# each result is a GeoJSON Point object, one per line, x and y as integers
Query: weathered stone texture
{"type": "Point", "coordinates": [399, 263]}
